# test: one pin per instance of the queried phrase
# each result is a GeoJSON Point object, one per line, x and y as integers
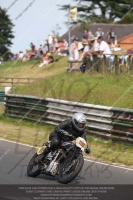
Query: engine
{"type": "Point", "coordinates": [51, 165]}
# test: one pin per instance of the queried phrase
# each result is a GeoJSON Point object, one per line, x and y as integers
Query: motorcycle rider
{"type": "Point", "coordinates": [74, 126]}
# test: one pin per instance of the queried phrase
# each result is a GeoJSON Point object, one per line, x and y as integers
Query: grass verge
{"type": "Point", "coordinates": [109, 90]}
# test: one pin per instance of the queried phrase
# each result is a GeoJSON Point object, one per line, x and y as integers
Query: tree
{"type": "Point", "coordinates": [6, 33]}
{"type": "Point", "coordinates": [127, 19]}
{"type": "Point", "coordinates": [97, 11]}
{"type": "Point", "coordinates": [56, 30]}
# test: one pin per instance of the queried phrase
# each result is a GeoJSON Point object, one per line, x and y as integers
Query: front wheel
{"type": "Point", "coordinates": [32, 169]}
{"type": "Point", "coordinates": [70, 169]}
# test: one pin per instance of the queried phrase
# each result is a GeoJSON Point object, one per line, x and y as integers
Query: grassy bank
{"type": "Point", "coordinates": [109, 90]}
{"type": "Point", "coordinates": [30, 69]}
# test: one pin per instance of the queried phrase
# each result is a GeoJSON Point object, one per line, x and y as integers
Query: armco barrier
{"type": "Point", "coordinates": [106, 122]}
{"type": "Point", "coordinates": [2, 95]}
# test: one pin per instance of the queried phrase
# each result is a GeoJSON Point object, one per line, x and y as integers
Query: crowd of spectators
{"type": "Point", "coordinates": [52, 45]}
{"type": "Point", "coordinates": [90, 44]}
{"type": "Point", "coordinates": [96, 45]}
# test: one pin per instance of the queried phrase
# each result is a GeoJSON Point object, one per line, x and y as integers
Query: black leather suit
{"type": "Point", "coordinates": [56, 138]}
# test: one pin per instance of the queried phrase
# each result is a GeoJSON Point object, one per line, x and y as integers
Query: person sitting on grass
{"type": "Point", "coordinates": [27, 56]}
{"type": "Point", "coordinates": [61, 47]}
{"type": "Point", "coordinates": [46, 59]}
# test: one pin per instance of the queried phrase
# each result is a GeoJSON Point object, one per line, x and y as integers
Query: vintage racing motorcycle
{"type": "Point", "coordinates": [66, 160]}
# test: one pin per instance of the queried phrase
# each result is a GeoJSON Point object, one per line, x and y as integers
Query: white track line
{"type": "Point", "coordinates": [109, 165]}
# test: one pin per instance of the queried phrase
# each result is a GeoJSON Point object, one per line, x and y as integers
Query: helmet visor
{"type": "Point", "coordinates": [80, 125]}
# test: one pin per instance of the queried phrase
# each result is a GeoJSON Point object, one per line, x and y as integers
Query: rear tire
{"type": "Point", "coordinates": [70, 175]}
{"type": "Point", "coordinates": [30, 171]}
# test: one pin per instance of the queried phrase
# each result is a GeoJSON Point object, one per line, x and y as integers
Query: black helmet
{"type": "Point", "coordinates": [79, 121]}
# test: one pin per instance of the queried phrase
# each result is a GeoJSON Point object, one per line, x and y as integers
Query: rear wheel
{"type": "Point", "coordinates": [33, 168]}
{"type": "Point", "coordinates": [70, 169]}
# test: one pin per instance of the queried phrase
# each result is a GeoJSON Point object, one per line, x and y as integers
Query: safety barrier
{"type": "Point", "coordinates": [102, 121]}
{"type": "Point", "coordinates": [2, 95]}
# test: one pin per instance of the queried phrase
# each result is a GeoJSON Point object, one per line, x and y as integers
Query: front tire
{"type": "Point", "coordinates": [32, 164]}
{"type": "Point", "coordinates": [66, 176]}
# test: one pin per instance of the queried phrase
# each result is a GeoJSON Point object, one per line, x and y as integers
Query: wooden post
{"type": "Point", "coordinates": [129, 64]}
{"type": "Point", "coordinates": [116, 65]}
{"type": "Point", "coordinates": [104, 67]}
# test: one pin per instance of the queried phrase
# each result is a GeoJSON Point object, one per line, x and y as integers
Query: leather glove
{"type": "Point", "coordinates": [64, 132]}
{"type": "Point", "coordinates": [87, 150]}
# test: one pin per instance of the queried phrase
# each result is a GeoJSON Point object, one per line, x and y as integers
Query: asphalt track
{"type": "Point", "coordinates": [14, 159]}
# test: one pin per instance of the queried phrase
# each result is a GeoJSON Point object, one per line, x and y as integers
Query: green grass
{"type": "Point", "coordinates": [109, 90]}
{"type": "Point", "coordinates": [30, 69]}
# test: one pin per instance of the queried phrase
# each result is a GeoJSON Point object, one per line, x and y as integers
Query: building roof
{"type": "Point", "coordinates": [125, 37]}
{"type": "Point", "coordinates": [121, 30]}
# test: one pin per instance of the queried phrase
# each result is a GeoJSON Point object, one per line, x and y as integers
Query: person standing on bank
{"type": "Point", "coordinates": [112, 36]}
{"type": "Point", "coordinates": [104, 49]}
{"type": "Point", "coordinates": [73, 50]}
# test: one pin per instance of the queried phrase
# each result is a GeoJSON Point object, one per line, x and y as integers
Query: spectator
{"type": "Point", "coordinates": [89, 51]}
{"type": "Point", "coordinates": [99, 32]}
{"type": "Point", "coordinates": [16, 56]}
{"type": "Point", "coordinates": [29, 48]}
{"type": "Point", "coordinates": [105, 50]}
{"type": "Point", "coordinates": [32, 46]}
{"type": "Point", "coordinates": [27, 56]}
{"type": "Point", "coordinates": [43, 58]}
{"type": "Point", "coordinates": [20, 56]}
{"type": "Point", "coordinates": [46, 59]}
{"type": "Point", "coordinates": [11, 57]}
{"type": "Point", "coordinates": [45, 48]}
{"type": "Point", "coordinates": [50, 42]}
{"type": "Point", "coordinates": [41, 49]}
{"type": "Point", "coordinates": [55, 44]}
{"type": "Point", "coordinates": [123, 58]}
{"type": "Point", "coordinates": [35, 54]}
{"type": "Point", "coordinates": [85, 48]}
{"type": "Point", "coordinates": [93, 46]}
{"type": "Point", "coordinates": [73, 50]}
{"type": "Point", "coordinates": [112, 36]}
{"type": "Point", "coordinates": [89, 33]}
{"type": "Point", "coordinates": [65, 48]}
{"type": "Point", "coordinates": [85, 35]}
{"type": "Point", "coordinates": [61, 47]}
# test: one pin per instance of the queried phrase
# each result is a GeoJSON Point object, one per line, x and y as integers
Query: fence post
{"type": "Point", "coordinates": [12, 82]}
{"type": "Point", "coordinates": [116, 65]}
{"type": "Point", "coordinates": [95, 63]}
{"type": "Point", "coordinates": [129, 64]}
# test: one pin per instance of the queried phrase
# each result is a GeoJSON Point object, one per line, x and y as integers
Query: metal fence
{"type": "Point", "coordinates": [2, 95]}
{"type": "Point", "coordinates": [10, 81]}
{"type": "Point", "coordinates": [102, 121]}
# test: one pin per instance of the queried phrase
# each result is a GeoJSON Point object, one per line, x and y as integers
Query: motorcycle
{"type": "Point", "coordinates": [66, 160]}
